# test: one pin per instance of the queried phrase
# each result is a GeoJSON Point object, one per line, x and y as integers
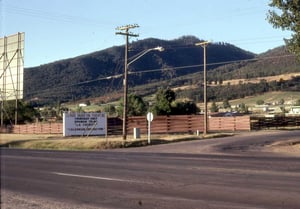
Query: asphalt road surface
{"type": "Point", "coordinates": [233, 172]}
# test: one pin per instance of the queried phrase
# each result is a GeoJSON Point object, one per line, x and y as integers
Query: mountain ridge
{"type": "Point", "coordinates": [100, 73]}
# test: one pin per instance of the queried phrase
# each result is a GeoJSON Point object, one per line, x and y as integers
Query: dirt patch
{"type": "Point", "coordinates": [290, 147]}
{"type": "Point", "coordinates": [12, 200]}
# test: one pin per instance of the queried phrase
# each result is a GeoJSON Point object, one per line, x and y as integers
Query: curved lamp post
{"type": "Point", "coordinates": [159, 48]}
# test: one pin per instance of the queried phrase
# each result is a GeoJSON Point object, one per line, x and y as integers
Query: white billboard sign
{"type": "Point", "coordinates": [11, 67]}
{"type": "Point", "coordinates": [80, 124]}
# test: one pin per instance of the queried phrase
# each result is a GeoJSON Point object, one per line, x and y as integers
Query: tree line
{"type": "Point", "coordinates": [165, 104]}
{"type": "Point", "coordinates": [229, 92]}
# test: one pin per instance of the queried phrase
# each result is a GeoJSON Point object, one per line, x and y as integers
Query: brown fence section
{"type": "Point", "coordinates": [239, 123]}
{"type": "Point", "coordinates": [189, 124]}
{"type": "Point", "coordinates": [38, 128]}
{"type": "Point", "coordinates": [167, 124]}
{"type": "Point", "coordinates": [160, 125]}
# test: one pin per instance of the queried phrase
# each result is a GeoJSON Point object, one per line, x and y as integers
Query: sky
{"type": "Point", "coordinates": [60, 29]}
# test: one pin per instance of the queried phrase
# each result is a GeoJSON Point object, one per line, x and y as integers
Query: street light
{"type": "Point", "coordinates": [159, 48]}
{"type": "Point", "coordinates": [204, 44]}
{"type": "Point", "coordinates": [138, 56]}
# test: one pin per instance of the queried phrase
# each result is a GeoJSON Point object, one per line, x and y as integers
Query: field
{"type": "Point", "coordinates": [284, 77]}
{"type": "Point", "coordinates": [270, 97]}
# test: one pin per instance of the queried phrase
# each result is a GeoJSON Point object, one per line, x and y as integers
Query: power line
{"type": "Point", "coordinates": [77, 84]}
{"type": "Point", "coordinates": [210, 64]}
{"type": "Point", "coordinates": [55, 16]}
{"type": "Point", "coordinates": [61, 17]}
{"type": "Point", "coordinates": [160, 69]}
{"type": "Point", "coordinates": [45, 14]}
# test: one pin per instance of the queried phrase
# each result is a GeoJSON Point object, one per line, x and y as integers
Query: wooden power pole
{"type": "Point", "coordinates": [124, 30]}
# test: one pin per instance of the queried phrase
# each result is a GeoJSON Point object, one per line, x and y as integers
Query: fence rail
{"type": "Point", "coordinates": [239, 123]}
{"type": "Point", "coordinates": [37, 128]}
{"type": "Point", "coordinates": [159, 125]}
{"type": "Point", "coordinates": [167, 124]}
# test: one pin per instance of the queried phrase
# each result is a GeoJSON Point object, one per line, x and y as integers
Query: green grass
{"type": "Point", "coordinates": [268, 97]}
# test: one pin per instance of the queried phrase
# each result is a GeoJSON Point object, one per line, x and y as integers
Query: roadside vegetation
{"type": "Point", "coordinates": [58, 142]}
{"type": "Point", "coordinates": [93, 143]}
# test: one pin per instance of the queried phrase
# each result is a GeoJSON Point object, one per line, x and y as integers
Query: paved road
{"type": "Point", "coordinates": [233, 172]}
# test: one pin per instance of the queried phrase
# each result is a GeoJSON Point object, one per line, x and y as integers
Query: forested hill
{"type": "Point", "coordinates": [90, 75]}
{"type": "Point", "coordinates": [276, 61]}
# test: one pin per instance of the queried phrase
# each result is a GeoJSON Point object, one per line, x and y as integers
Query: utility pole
{"type": "Point", "coordinates": [204, 44]}
{"type": "Point", "coordinates": [124, 30]}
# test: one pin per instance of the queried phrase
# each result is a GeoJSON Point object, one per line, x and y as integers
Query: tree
{"type": "Point", "coordinates": [26, 113]}
{"type": "Point", "coordinates": [135, 106]}
{"type": "Point", "coordinates": [226, 104]}
{"type": "Point", "coordinates": [110, 109]}
{"type": "Point", "coordinates": [80, 109]}
{"type": "Point", "coordinates": [288, 19]}
{"type": "Point", "coordinates": [164, 98]}
{"type": "Point", "coordinates": [243, 108]}
{"type": "Point", "coordinates": [260, 102]}
{"type": "Point", "coordinates": [281, 101]}
{"type": "Point", "coordinates": [214, 107]}
{"type": "Point", "coordinates": [185, 108]}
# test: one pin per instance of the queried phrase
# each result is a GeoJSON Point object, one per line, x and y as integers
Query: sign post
{"type": "Point", "coordinates": [149, 119]}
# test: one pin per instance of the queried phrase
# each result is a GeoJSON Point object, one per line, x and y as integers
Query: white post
{"type": "Point", "coordinates": [149, 119]}
{"type": "Point", "coordinates": [149, 131]}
